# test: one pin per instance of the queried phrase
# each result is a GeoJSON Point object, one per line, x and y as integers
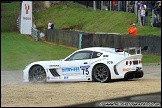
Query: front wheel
{"type": "Point", "coordinates": [101, 73]}
{"type": "Point", "coordinates": [38, 74]}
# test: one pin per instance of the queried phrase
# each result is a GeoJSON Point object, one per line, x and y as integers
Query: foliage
{"type": "Point", "coordinates": [9, 15]}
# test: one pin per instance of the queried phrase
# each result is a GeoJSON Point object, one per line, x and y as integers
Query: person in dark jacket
{"type": "Point", "coordinates": [50, 24]}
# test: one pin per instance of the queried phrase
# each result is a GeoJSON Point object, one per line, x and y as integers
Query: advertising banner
{"type": "Point", "coordinates": [26, 17]}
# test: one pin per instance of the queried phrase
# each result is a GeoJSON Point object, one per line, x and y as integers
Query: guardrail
{"type": "Point", "coordinates": [35, 33]}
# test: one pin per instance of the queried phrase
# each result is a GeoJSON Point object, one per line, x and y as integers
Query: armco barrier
{"type": "Point", "coordinates": [79, 40]}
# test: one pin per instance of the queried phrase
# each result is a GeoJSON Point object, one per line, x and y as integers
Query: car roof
{"type": "Point", "coordinates": [100, 49]}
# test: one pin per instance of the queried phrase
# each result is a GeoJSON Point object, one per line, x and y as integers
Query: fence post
{"type": "Point", "coordinates": [80, 41]}
{"type": "Point", "coordinates": [118, 5]}
{"type": "Point", "coordinates": [139, 18]}
{"type": "Point", "coordinates": [135, 8]}
{"type": "Point", "coordinates": [102, 5]}
{"type": "Point", "coordinates": [94, 5]}
{"type": "Point", "coordinates": [37, 36]}
{"type": "Point", "coordinates": [152, 18]}
{"type": "Point", "coordinates": [110, 4]}
{"type": "Point", "coordinates": [127, 4]}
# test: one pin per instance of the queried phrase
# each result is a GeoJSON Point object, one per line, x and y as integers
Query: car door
{"type": "Point", "coordinates": [77, 64]}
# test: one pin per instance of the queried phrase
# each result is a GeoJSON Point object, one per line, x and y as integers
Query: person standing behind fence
{"type": "Point", "coordinates": [50, 24]}
{"type": "Point", "coordinates": [115, 5]}
{"type": "Point", "coordinates": [132, 30]}
{"type": "Point", "coordinates": [143, 14]}
{"type": "Point", "coordinates": [157, 8]}
{"type": "Point", "coordinates": [129, 29]}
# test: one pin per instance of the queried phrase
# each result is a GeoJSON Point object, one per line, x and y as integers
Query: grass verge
{"type": "Point", "coordinates": [17, 51]}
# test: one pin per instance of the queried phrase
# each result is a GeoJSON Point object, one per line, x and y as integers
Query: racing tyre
{"type": "Point", "coordinates": [38, 74]}
{"type": "Point", "coordinates": [101, 73]}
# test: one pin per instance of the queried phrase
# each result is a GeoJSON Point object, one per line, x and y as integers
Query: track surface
{"type": "Point", "coordinates": [14, 92]}
{"type": "Point", "coordinates": [151, 71]}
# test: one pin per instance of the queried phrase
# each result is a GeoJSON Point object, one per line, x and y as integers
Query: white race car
{"type": "Point", "coordinates": [88, 64]}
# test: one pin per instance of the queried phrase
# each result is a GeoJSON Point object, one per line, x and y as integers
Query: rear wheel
{"type": "Point", "coordinates": [38, 74]}
{"type": "Point", "coordinates": [101, 73]}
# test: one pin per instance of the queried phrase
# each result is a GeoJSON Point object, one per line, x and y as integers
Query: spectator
{"type": "Point", "coordinates": [50, 24]}
{"type": "Point", "coordinates": [155, 20]}
{"type": "Point", "coordinates": [130, 6]}
{"type": "Point", "coordinates": [153, 3]}
{"type": "Point", "coordinates": [149, 8]}
{"type": "Point", "coordinates": [143, 14]}
{"type": "Point", "coordinates": [138, 4]}
{"type": "Point", "coordinates": [129, 29]}
{"type": "Point", "coordinates": [157, 8]}
{"type": "Point", "coordinates": [142, 4]}
{"type": "Point", "coordinates": [132, 30]}
{"type": "Point", "coordinates": [115, 3]}
{"type": "Point", "coordinates": [146, 6]}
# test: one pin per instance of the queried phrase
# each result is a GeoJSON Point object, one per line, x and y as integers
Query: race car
{"type": "Point", "coordinates": [100, 64]}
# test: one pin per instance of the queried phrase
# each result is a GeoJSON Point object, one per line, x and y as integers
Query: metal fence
{"type": "Point", "coordinates": [35, 33]}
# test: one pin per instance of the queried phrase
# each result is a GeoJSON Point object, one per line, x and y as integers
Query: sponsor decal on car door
{"type": "Point", "coordinates": [75, 68]}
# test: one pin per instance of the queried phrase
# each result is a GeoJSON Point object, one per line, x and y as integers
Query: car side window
{"type": "Point", "coordinates": [96, 54]}
{"type": "Point", "coordinates": [81, 55]}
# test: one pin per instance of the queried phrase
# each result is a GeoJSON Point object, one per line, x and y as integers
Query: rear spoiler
{"type": "Point", "coordinates": [136, 48]}
{"type": "Point", "coordinates": [131, 48]}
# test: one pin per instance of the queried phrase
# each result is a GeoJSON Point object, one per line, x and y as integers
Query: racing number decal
{"type": "Point", "coordinates": [85, 71]}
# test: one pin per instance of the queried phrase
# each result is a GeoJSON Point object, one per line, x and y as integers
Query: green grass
{"type": "Point", "coordinates": [70, 14]}
{"type": "Point", "coordinates": [150, 58]}
{"type": "Point", "coordinates": [17, 51]}
{"type": "Point", "coordinates": [9, 15]}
